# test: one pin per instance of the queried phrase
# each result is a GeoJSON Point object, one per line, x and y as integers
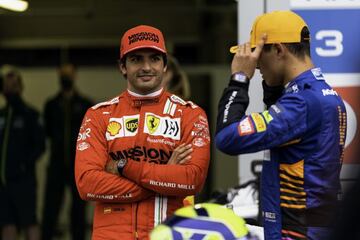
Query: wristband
{"type": "Point", "coordinates": [121, 164]}
{"type": "Point", "coordinates": [240, 77]}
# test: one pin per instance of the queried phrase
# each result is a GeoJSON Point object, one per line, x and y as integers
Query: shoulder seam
{"type": "Point", "coordinates": [106, 103]}
{"type": "Point", "coordinates": [176, 99]}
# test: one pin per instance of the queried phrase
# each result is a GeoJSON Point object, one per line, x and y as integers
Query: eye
{"type": "Point", "coordinates": [156, 58]}
{"type": "Point", "coordinates": [134, 59]}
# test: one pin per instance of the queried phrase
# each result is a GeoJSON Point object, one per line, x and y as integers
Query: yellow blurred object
{"type": "Point", "coordinates": [203, 221]}
{"type": "Point", "coordinates": [189, 201]}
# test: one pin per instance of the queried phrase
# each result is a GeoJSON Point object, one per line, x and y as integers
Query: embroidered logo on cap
{"type": "Point", "coordinates": [143, 36]}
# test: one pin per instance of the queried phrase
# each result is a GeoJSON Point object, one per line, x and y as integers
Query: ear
{"type": "Point", "coordinates": [280, 49]}
{"type": "Point", "coordinates": [165, 68]}
{"type": "Point", "coordinates": [122, 68]}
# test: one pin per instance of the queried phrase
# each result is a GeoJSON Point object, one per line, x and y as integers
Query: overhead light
{"type": "Point", "coordinates": [14, 5]}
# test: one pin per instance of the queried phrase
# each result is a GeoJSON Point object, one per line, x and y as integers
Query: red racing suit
{"type": "Point", "coordinates": [145, 131]}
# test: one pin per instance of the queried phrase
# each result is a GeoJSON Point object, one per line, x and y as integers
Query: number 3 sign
{"type": "Point", "coordinates": [335, 49]}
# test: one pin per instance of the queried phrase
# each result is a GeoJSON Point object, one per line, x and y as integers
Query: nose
{"type": "Point", "coordinates": [146, 65]}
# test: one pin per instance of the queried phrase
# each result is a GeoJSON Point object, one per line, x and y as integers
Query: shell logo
{"type": "Point", "coordinates": [113, 128]}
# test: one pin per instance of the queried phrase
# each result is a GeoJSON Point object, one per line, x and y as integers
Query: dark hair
{"type": "Point", "coordinates": [301, 49]}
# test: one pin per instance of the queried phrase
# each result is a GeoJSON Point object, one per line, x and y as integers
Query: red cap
{"type": "Point", "coordinates": [142, 37]}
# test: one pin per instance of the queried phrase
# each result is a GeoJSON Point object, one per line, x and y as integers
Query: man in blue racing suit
{"type": "Point", "coordinates": [304, 127]}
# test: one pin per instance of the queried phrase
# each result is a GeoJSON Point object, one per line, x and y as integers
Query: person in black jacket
{"type": "Point", "coordinates": [62, 118]}
{"type": "Point", "coordinates": [22, 142]}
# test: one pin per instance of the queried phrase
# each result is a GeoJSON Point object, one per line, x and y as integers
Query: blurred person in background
{"type": "Point", "coordinates": [175, 79]}
{"type": "Point", "coordinates": [63, 114]}
{"type": "Point", "coordinates": [22, 143]}
{"type": "Point", "coordinates": [141, 153]}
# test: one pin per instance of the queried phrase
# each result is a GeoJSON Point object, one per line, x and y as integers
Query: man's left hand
{"type": "Point", "coordinates": [111, 167]}
{"type": "Point", "coordinates": [181, 154]}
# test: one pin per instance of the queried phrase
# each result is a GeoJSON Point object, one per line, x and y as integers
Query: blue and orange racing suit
{"type": "Point", "coordinates": [305, 131]}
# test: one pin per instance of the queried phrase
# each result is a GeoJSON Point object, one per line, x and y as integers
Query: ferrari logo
{"type": "Point", "coordinates": [152, 123]}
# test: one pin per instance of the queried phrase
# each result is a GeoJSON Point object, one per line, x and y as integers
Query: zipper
{"type": "Point", "coordinates": [138, 136]}
{"type": "Point", "coordinates": [5, 145]}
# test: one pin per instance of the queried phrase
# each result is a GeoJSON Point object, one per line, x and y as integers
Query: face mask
{"type": "Point", "coordinates": [13, 98]}
{"type": "Point", "coordinates": [66, 83]}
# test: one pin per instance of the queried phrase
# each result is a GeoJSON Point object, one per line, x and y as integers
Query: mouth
{"type": "Point", "coordinates": [146, 77]}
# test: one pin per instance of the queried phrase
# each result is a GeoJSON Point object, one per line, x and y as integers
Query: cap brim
{"type": "Point", "coordinates": [234, 49]}
{"type": "Point", "coordinates": [142, 47]}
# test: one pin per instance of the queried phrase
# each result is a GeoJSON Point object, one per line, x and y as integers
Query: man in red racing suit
{"type": "Point", "coordinates": [140, 133]}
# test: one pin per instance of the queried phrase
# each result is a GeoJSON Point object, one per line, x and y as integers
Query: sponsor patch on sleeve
{"type": "Point", "coordinates": [199, 142]}
{"type": "Point", "coordinates": [245, 127]}
{"type": "Point", "coordinates": [82, 146]}
{"type": "Point", "coordinates": [84, 134]}
{"type": "Point", "coordinates": [276, 109]}
{"type": "Point", "coordinates": [267, 116]}
{"type": "Point", "coordinates": [200, 132]}
{"type": "Point", "coordinates": [85, 130]}
{"type": "Point", "coordinates": [259, 122]}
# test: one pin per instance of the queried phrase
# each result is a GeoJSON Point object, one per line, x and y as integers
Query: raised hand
{"type": "Point", "coordinates": [245, 60]}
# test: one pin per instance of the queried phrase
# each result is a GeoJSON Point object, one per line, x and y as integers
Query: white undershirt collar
{"type": "Point", "coordinates": [153, 94]}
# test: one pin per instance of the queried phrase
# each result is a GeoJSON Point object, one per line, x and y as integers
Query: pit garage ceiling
{"type": "Point", "coordinates": [49, 23]}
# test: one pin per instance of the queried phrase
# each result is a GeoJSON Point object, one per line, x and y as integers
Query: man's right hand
{"type": "Point", "coordinates": [245, 60]}
{"type": "Point", "coordinates": [181, 154]}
